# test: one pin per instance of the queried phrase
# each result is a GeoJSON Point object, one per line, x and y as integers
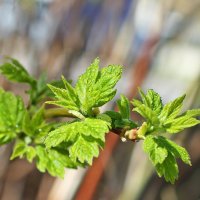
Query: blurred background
{"type": "Point", "coordinates": [157, 42]}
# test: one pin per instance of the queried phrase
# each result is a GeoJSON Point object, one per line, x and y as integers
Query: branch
{"type": "Point", "coordinates": [58, 112]}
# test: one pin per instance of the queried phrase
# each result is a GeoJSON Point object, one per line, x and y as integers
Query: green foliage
{"type": "Point", "coordinates": [84, 149]}
{"type": "Point", "coordinates": [163, 154]}
{"type": "Point", "coordinates": [66, 98]}
{"type": "Point", "coordinates": [162, 119]}
{"type": "Point", "coordinates": [182, 122]}
{"type": "Point", "coordinates": [122, 119]}
{"type": "Point", "coordinates": [21, 149]}
{"type": "Point", "coordinates": [152, 100]}
{"type": "Point", "coordinates": [14, 71]}
{"type": "Point", "coordinates": [95, 88]}
{"type": "Point", "coordinates": [124, 107]}
{"type": "Point", "coordinates": [55, 145]}
{"type": "Point", "coordinates": [165, 118]}
{"type": "Point", "coordinates": [11, 115]}
{"type": "Point", "coordinates": [91, 132]}
{"type": "Point", "coordinates": [54, 161]}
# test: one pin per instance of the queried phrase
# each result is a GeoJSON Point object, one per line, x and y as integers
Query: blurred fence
{"type": "Point", "coordinates": [157, 42]}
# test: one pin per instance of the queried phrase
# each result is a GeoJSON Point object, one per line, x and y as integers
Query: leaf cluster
{"type": "Point", "coordinates": [55, 145]}
{"type": "Point", "coordinates": [161, 119]}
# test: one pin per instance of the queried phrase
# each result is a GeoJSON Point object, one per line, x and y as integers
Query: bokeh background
{"type": "Point", "coordinates": [157, 42]}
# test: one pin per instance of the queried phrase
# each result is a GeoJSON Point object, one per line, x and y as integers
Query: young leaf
{"type": "Point", "coordinates": [27, 125]}
{"type": "Point", "coordinates": [146, 112]}
{"type": "Point", "coordinates": [104, 117]}
{"type": "Point", "coordinates": [124, 123]}
{"type": "Point", "coordinates": [176, 150]}
{"type": "Point", "coordinates": [167, 118]}
{"type": "Point", "coordinates": [31, 124]}
{"type": "Point", "coordinates": [11, 115]}
{"type": "Point", "coordinates": [171, 109]}
{"type": "Point", "coordinates": [163, 154]}
{"type": "Point", "coordinates": [84, 149]}
{"type": "Point", "coordinates": [69, 132]}
{"type": "Point", "coordinates": [192, 113]}
{"type": "Point", "coordinates": [113, 115]}
{"type": "Point", "coordinates": [53, 161]}
{"type": "Point", "coordinates": [85, 84]}
{"type": "Point", "coordinates": [95, 128]}
{"type": "Point", "coordinates": [152, 99]}
{"type": "Point", "coordinates": [6, 137]}
{"type": "Point", "coordinates": [64, 98]}
{"type": "Point", "coordinates": [19, 150]}
{"type": "Point", "coordinates": [156, 153]}
{"type": "Point", "coordinates": [14, 71]}
{"type": "Point", "coordinates": [180, 123]}
{"type": "Point", "coordinates": [124, 107]}
{"type": "Point", "coordinates": [30, 153]}
{"type": "Point", "coordinates": [38, 118]}
{"type": "Point", "coordinates": [85, 136]}
{"type": "Point", "coordinates": [95, 88]}
{"type": "Point", "coordinates": [104, 88]}
{"type": "Point", "coordinates": [168, 169]}
{"type": "Point", "coordinates": [183, 121]}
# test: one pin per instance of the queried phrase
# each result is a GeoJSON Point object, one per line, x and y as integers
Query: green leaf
{"type": "Point", "coordinates": [192, 113]}
{"type": "Point", "coordinates": [163, 154]}
{"type": "Point", "coordinates": [41, 158]}
{"type": "Point", "coordinates": [30, 153]}
{"type": "Point", "coordinates": [53, 161]}
{"type": "Point", "coordinates": [104, 117]}
{"type": "Point", "coordinates": [85, 137]}
{"type": "Point", "coordinates": [95, 88]}
{"type": "Point", "coordinates": [180, 123]}
{"type": "Point", "coordinates": [27, 125]}
{"type": "Point", "coordinates": [125, 124]}
{"type": "Point", "coordinates": [31, 124]}
{"type": "Point", "coordinates": [113, 115]}
{"type": "Point", "coordinates": [104, 88]}
{"type": "Point", "coordinates": [14, 71]}
{"type": "Point", "coordinates": [176, 150]}
{"type": "Point", "coordinates": [11, 115]}
{"type": "Point", "coordinates": [95, 128]}
{"type": "Point", "coordinates": [71, 92]}
{"type": "Point", "coordinates": [85, 84]}
{"type": "Point", "coordinates": [183, 121]}
{"type": "Point", "coordinates": [146, 112]}
{"type": "Point", "coordinates": [84, 149]}
{"type": "Point", "coordinates": [69, 132]}
{"type": "Point", "coordinates": [168, 169]}
{"type": "Point", "coordinates": [41, 133]}
{"type": "Point", "coordinates": [63, 133]}
{"type": "Point", "coordinates": [152, 99]}
{"type": "Point", "coordinates": [156, 153]}
{"type": "Point", "coordinates": [38, 118]}
{"type": "Point", "coordinates": [167, 118]}
{"type": "Point", "coordinates": [171, 109]}
{"type": "Point", "coordinates": [19, 150]}
{"type": "Point", "coordinates": [124, 107]}
{"type": "Point", "coordinates": [6, 137]}
{"type": "Point", "coordinates": [65, 97]}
